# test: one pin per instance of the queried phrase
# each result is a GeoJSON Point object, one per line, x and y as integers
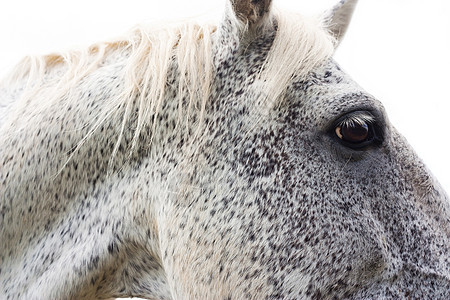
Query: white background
{"type": "Point", "coordinates": [398, 50]}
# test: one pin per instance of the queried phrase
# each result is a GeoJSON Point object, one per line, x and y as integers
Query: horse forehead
{"type": "Point", "coordinates": [325, 93]}
{"type": "Point", "coordinates": [327, 80]}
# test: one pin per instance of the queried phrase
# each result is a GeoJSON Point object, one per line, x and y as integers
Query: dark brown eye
{"type": "Point", "coordinates": [353, 132]}
{"type": "Point", "coordinates": [358, 130]}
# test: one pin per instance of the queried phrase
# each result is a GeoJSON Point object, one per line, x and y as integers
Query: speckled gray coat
{"type": "Point", "coordinates": [278, 208]}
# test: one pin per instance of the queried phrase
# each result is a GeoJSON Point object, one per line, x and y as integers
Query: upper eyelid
{"type": "Point", "coordinates": [359, 118]}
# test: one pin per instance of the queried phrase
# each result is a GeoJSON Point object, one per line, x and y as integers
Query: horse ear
{"type": "Point", "coordinates": [244, 20]}
{"type": "Point", "coordinates": [251, 13]}
{"type": "Point", "coordinates": [339, 18]}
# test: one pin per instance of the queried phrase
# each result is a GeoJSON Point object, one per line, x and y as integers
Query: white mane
{"type": "Point", "coordinates": [299, 46]}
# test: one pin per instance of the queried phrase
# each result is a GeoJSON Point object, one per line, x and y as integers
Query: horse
{"type": "Point", "coordinates": [213, 161]}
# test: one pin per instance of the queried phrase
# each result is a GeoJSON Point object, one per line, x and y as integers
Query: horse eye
{"type": "Point", "coordinates": [353, 132]}
{"type": "Point", "coordinates": [358, 130]}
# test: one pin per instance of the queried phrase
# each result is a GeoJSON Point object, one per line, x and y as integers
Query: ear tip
{"type": "Point", "coordinates": [339, 18]}
{"type": "Point", "coordinates": [251, 11]}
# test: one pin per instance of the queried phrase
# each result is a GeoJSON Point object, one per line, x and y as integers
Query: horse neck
{"type": "Point", "coordinates": [82, 214]}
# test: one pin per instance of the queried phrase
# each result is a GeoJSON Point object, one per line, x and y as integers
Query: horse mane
{"type": "Point", "coordinates": [299, 46]}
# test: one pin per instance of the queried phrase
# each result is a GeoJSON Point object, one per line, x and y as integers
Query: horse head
{"type": "Point", "coordinates": [203, 162]}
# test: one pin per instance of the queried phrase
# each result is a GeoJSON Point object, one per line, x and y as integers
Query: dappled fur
{"type": "Point", "coordinates": [201, 162]}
